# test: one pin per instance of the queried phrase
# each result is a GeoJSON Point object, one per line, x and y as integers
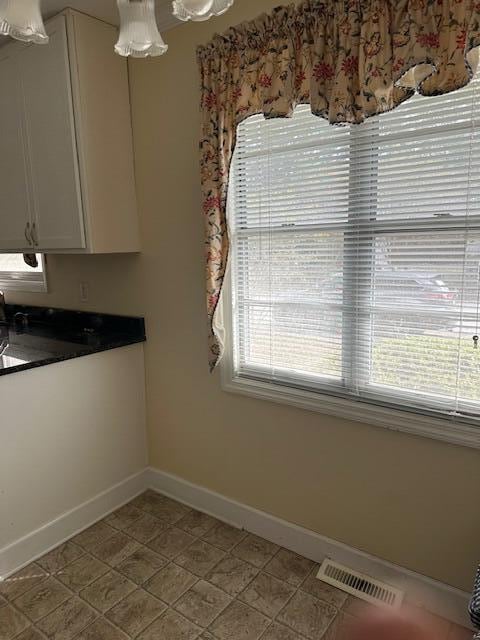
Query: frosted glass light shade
{"type": "Point", "coordinates": [139, 35]}
{"type": "Point", "coordinates": [22, 20]}
{"type": "Point", "coordinates": [198, 10]}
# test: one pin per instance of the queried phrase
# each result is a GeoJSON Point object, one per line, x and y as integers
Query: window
{"type": "Point", "coordinates": [16, 275]}
{"type": "Point", "coordinates": [355, 264]}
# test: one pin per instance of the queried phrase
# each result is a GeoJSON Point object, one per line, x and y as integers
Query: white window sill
{"type": "Point", "coordinates": [451, 431]}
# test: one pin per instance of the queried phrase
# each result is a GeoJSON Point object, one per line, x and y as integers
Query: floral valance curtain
{"type": "Point", "coordinates": [348, 59]}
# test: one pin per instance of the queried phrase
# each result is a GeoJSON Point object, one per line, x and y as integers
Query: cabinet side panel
{"type": "Point", "coordinates": [104, 132]}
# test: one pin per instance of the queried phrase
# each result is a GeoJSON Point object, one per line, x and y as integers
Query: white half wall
{"type": "Point", "coordinates": [68, 432]}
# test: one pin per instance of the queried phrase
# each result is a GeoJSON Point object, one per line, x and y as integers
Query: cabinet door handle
{"type": "Point", "coordinates": [34, 235]}
{"type": "Point", "coordinates": [28, 237]}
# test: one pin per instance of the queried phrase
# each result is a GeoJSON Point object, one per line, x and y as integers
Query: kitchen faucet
{"type": "Point", "coordinates": [3, 330]}
{"type": "Point", "coordinates": [3, 311]}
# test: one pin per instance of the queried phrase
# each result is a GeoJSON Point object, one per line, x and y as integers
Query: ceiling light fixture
{"type": "Point", "coordinates": [139, 35]}
{"type": "Point", "coordinates": [198, 10]}
{"type": "Point", "coordinates": [22, 20]}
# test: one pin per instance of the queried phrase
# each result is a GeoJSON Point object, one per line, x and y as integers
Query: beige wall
{"type": "Point", "coordinates": [409, 500]}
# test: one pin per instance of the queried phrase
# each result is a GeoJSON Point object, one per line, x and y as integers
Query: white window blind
{"type": "Point", "coordinates": [356, 254]}
{"type": "Point", "coordinates": [15, 274]}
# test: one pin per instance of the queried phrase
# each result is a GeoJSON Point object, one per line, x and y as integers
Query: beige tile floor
{"type": "Point", "coordinates": [157, 570]}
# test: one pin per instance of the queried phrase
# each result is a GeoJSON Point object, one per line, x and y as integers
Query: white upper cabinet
{"type": "Point", "coordinates": [66, 162]}
{"type": "Point", "coordinates": [57, 217]}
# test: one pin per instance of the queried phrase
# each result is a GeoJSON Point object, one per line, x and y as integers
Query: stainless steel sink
{"type": "Point", "coordinates": [6, 362]}
{"type": "Point", "coordinates": [8, 355]}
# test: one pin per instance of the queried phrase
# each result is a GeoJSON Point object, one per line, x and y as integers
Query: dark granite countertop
{"type": "Point", "coordinates": [36, 336]}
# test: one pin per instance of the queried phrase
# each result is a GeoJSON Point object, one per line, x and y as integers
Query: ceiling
{"type": "Point", "coordinates": [107, 10]}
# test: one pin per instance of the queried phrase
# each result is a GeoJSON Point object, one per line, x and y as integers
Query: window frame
{"type": "Point", "coordinates": [23, 281]}
{"type": "Point", "coordinates": [333, 401]}
{"type": "Point", "coordinates": [454, 431]}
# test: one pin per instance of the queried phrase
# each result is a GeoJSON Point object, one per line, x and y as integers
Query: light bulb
{"type": "Point", "coordinates": [139, 35]}
{"type": "Point", "coordinates": [22, 20]}
{"type": "Point", "coordinates": [199, 10]}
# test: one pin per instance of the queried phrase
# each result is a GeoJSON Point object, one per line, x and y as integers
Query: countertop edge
{"type": "Point", "coordinates": [72, 356]}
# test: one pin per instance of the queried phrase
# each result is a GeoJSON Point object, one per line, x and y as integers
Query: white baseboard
{"type": "Point", "coordinates": [439, 598]}
{"type": "Point", "coordinates": [35, 544]}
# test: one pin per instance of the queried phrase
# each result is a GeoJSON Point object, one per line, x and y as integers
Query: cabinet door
{"type": "Point", "coordinates": [14, 201]}
{"type": "Point", "coordinates": [57, 205]}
